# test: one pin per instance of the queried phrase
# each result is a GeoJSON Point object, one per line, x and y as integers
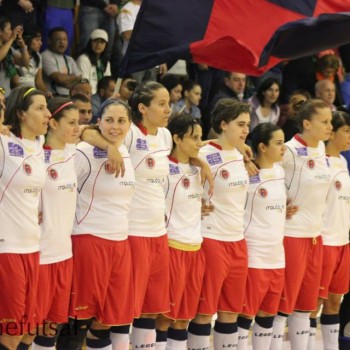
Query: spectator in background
{"type": "Point", "coordinates": [60, 70]}
{"type": "Point", "coordinates": [85, 109]}
{"type": "Point", "coordinates": [105, 90]}
{"type": "Point", "coordinates": [264, 103]}
{"type": "Point", "coordinates": [325, 91]}
{"type": "Point", "coordinates": [93, 63]}
{"type": "Point", "coordinates": [191, 95]}
{"type": "Point", "coordinates": [173, 84]}
{"type": "Point", "coordinates": [81, 87]}
{"type": "Point", "coordinates": [127, 87]}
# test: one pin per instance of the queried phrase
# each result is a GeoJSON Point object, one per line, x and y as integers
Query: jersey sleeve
{"type": "Point", "coordinates": [288, 164]}
{"type": "Point", "coordinates": [82, 167]}
{"type": "Point", "coordinates": [2, 155]}
{"type": "Point", "coordinates": [129, 139]}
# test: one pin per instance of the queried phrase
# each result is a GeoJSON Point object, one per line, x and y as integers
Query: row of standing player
{"type": "Point", "coordinates": [148, 144]}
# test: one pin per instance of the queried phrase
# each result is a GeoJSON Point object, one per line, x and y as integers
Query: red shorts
{"type": "Point", "coordinates": [335, 271]}
{"type": "Point", "coordinates": [186, 279]}
{"type": "Point", "coordinates": [150, 257]}
{"type": "Point", "coordinates": [225, 276]}
{"type": "Point", "coordinates": [263, 291]}
{"type": "Point", "coordinates": [102, 280]}
{"type": "Point", "coordinates": [19, 275]}
{"type": "Point", "coordinates": [54, 287]}
{"type": "Point", "coordinates": [302, 274]}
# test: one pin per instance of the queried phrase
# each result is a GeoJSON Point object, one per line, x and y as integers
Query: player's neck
{"type": "Point", "coordinates": [54, 142]}
{"type": "Point", "coordinates": [332, 150]}
{"type": "Point", "coordinates": [263, 162]}
{"type": "Point", "coordinates": [180, 156]}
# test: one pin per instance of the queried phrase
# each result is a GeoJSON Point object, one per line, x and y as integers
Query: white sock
{"type": "Point", "coordinates": [278, 329]}
{"type": "Point", "coordinates": [225, 335]}
{"type": "Point", "coordinates": [108, 347]}
{"type": "Point", "coordinates": [198, 336]}
{"type": "Point", "coordinates": [161, 345]}
{"type": "Point", "coordinates": [243, 335]}
{"type": "Point", "coordinates": [262, 337]}
{"type": "Point", "coordinates": [143, 335]}
{"type": "Point", "coordinates": [330, 331]}
{"type": "Point", "coordinates": [298, 330]}
{"type": "Point", "coordinates": [173, 344]}
{"type": "Point", "coordinates": [120, 341]}
{"type": "Point", "coordinates": [39, 347]}
{"type": "Point", "coordinates": [312, 334]}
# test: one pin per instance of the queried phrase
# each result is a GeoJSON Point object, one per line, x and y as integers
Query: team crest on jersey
{"type": "Point", "coordinates": [311, 163]}
{"type": "Point", "coordinates": [262, 192]}
{"type": "Point", "coordinates": [301, 151]}
{"type": "Point", "coordinates": [99, 153]}
{"type": "Point", "coordinates": [224, 174]}
{"type": "Point", "coordinates": [141, 145]}
{"type": "Point", "coordinates": [15, 150]}
{"type": "Point", "coordinates": [53, 174]}
{"type": "Point", "coordinates": [338, 185]}
{"type": "Point", "coordinates": [214, 158]}
{"type": "Point", "coordinates": [108, 168]}
{"type": "Point", "coordinates": [150, 162]}
{"type": "Point", "coordinates": [186, 182]}
{"type": "Point", "coordinates": [174, 169]}
{"type": "Point", "coordinates": [27, 169]}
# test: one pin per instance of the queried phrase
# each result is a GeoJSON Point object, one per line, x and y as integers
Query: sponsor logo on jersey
{"type": "Point", "coordinates": [224, 174]}
{"type": "Point", "coordinates": [109, 169]}
{"type": "Point", "coordinates": [27, 169]}
{"type": "Point", "coordinates": [67, 187]}
{"type": "Point", "coordinates": [141, 145]}
{"type": "Point", "coordinates": [214, 158]}
{"type": "Point", "coordinates": [47, 154]}
{"type": "Point", "coordinates": [99, 153]}
{"type": "Point", "coordinates": [262, 192]}
{"type": "Point", "coordinates": [301, 151]}
{"type": "Point", "coordinates": [254, 179]}
{"type": "Point", "coordinates": [53, 174]}
{"type": "Point", "coordinates": [150, 162]}
{"type": "Point", "coordinates": [15, 150]}
{"type": "Point", "coordinates": [186, 182]}
{"type": "Point", "coordinates": [311, 163]}
{"type": "Point", "coordinates": [174, 169]}
{"type": "Point", "coordinates": [338, 185]}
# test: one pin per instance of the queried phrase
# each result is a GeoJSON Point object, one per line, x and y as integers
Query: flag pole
{"type": "Point", "coordinates": [117, 86]}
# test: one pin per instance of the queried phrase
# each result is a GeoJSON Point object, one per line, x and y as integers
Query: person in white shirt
{"type": "Point", "coordinates": [224, 245]}
{"type": "Point", "coordinates": [93, 63]}
{"type": "Point", "coordinates": [335, 234]}
{"type": "Point", "coordinates": [22, 176]}
{"type": "Point", "coordinates": [183, 190]}
{"type": "Point", "coordinates": [266, 203]}
{"type": "Point", "coordinates": [307, 174]}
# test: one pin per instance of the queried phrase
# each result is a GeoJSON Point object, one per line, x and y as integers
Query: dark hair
{"type": "Point", "coordinates": [93, 58]}
{"type": "Point", "coordinates": [170, 81]}
{"type": "Point", "coordinates": [264, 86]}
{"type": "Point", "coordinates": [3, 21]}
{"type": "Point", "coordinates": [144, 93]}
{"type": "Point", "coordinates": [56, 30]}
{"type": "Point", "coordinates": [188, 85]}
{"type": "Point", "coordinates": [113, 102]}
{"type": "Point", "coordinates": [80, 97]}
{"type": "Point", "coordinates": [55, 104]}
{"type": "Point", "coordinates": [307, 110]}
{"type": "Point", "coordinates": [28, 38]}
{"type": "Point", "coordinates": [180, 124]}
{"type": "Point", "coordinates": [328, 61]}
{"type": "Point", "coordinates": [17, 102]}
{"type": "Point", "coordinates": [227, 109]}
{"type": "Point", "coordinates": [262, 133]}
{"type": "Point", "coordinates": [340, 119]}
{"type": "Point", "coordinates": [104, 82]}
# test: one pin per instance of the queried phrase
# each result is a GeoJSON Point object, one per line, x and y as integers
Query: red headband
{"type": "Point", "coordinates": [59, 109]}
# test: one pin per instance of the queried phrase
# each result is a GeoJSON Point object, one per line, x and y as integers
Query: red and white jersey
{"type": "Point", "coordinates": [231, 181]}
{"type": "Point", "coordinates": [149, 157]}
{"type": "Point", "coordinates": [22, 176]}
{"type": "Point", "coordinates": [183, 194]}
{"type": "Point", "coordinates": [58, 202]}
{"type": "Point", "coordinates": [104, 200]}
{"type": "Point", "coordinates": [336, 217]}
{"type": "Point", "coordinates": [307, 181]}
{"type": "Point", "coordinates": [264, 219]}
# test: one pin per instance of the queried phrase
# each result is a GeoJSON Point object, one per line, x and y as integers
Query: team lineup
{"type": "Point", "coordinates": [254, 235]}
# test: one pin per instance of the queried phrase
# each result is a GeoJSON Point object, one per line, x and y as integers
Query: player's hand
{"type": "Point", "coordinates": [5, 130]}
{"type": "Point", "coordinates": [291, 210]}
{"type": "Point", "coordinates": [251, 168]}
{"type": "Point", "coordinates": [206, 208]}
{"type": "Point", "coordinates": [115, 161]}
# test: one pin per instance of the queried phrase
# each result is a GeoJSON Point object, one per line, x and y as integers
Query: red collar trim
{"type": "Point", "coordinates": [299, 139]}
{"type": "Point", "coordinates": [47, 147]}
{"type": "Point", "coordinates": [211, 143]}
{"type": "Point", "coordinates": [173, 159]}
{"type": "Point", "coordinates": [142, 129]}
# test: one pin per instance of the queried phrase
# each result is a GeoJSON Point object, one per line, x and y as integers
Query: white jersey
{"type": "Point", "coordinates": [183, 192]}
{"type": "Point", "coordinates": [149, 157]}
{"type": "Point", "coordinates": [336, 218]}
{"type": "Point", "coordinates": [264, 219]}
{"type": "Point", "coordinates": [103, 202]}
{"type": "Point", "coordinates": [22, 176]}
{"type": "Point", "coordinates": [307, 181]}
{"type": "Point", "coordinates": [58, 202]}
{"type": "Point", "coordinates": [225, 223]}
